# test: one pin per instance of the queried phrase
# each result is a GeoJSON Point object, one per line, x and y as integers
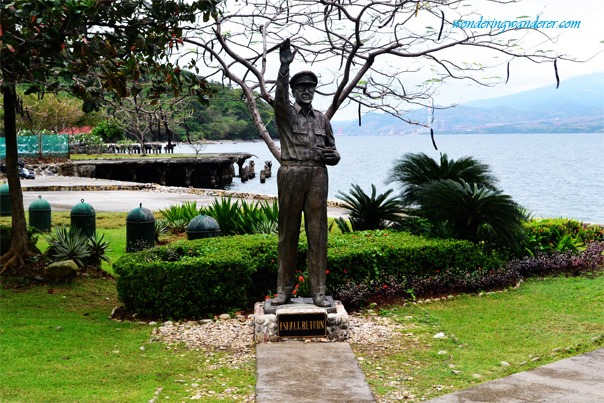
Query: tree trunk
{"type": "Point", "coordinates": [19, 242]}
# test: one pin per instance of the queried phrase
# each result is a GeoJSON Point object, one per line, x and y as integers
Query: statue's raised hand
{"type": "Point", "coordinates": [285, 53]}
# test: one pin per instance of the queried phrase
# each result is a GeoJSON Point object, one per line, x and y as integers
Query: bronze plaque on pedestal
{"type": "Point", "coordinates": [301, 324]}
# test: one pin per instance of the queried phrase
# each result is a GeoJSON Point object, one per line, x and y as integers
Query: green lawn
{"type": "Point", "coordinates": [57, 344]}
{"type": "Point", "coordinates": [543, 321]}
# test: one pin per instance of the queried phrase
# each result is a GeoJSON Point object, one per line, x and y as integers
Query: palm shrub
{"type": "Point", "coordinates": [459, 198]}
{"type": "Point", "coordinates": [472, 212]}
{"type": "Point", "coordinates": [369, 212]}
{"type": "Point", "coordinates": [413, 171]}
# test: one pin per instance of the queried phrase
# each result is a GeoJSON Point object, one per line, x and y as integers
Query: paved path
{"type": "Point", "coordinates": [63, 192]}
{"type": "Point", "coordinates": [577, 379]}
{"type": "Point", "coordinates": [328, 372]}
{"type": "Point", "coordinates": [309, 373]}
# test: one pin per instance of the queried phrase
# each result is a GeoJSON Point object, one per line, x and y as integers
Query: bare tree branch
{"type": "Point", "coordinates": [389, 55]}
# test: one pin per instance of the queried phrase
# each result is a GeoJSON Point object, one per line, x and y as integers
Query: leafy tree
{"type": "Point", "coordinates": [52, 112]}
{"type": "Point", "coordinates": [414, 170]}
{"type": "Point", "coordinates": [92, 49]}
{"type": "Point", "coordinates": [372, 54]}
{"type": "Point", "coordinates": [109, 132]}
{"type": "Point", "coordinates": [369, 212]}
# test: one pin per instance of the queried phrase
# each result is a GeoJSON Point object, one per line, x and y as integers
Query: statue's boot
{"type": "Point", "coordinates": [281, 299]}
{"type": "Point", "coordinates": [320, 300]}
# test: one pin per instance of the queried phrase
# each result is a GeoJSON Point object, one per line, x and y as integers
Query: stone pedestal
{"type": "Point", "coordinates": [300, 319]}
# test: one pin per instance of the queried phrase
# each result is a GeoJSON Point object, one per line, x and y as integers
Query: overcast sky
{"type": "Point", "coordinates": [582, 43]}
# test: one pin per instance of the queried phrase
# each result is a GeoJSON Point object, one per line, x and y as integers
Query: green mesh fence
{"type": "Point", "coordinates": [53, 145]}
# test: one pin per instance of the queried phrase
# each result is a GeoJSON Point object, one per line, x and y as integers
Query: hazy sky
{"type": "Point", "coordinates": [582, 43]}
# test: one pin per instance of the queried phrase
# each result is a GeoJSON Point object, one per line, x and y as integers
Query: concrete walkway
{"type": "Point", "coordinates": [577, 379]}
{"type": "Point", "coordinates": [329, 372]}
{"type": "Point", "coordinates": [309, 373]}
{"type": "Point", "coordinates": [63, 192]}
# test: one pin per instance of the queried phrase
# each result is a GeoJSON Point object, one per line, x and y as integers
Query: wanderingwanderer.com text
{"type": "Point", "coordinates": [515, 24]}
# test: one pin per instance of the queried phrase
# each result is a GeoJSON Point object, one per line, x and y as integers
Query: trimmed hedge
{"type": "Point", "coordinates": [193, 279]}
{"type": "Point", "coordinates": [357, 257]}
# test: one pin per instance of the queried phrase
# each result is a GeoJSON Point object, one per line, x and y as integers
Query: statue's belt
{"type": "Point", "coordinates": [295, 163]}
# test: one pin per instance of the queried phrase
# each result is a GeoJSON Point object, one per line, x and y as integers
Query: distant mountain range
{"type": "Point", "coordinates": [577, 106]}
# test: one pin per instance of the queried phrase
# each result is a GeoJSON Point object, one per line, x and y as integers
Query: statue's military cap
{"type": "Point", "coordinates": [305, 77]}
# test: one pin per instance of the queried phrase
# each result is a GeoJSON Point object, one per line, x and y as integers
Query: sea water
{"type": "Point", "coordinates": [551, 175]}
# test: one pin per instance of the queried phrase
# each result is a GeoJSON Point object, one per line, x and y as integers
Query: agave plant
{"type": "Point", "coordinates": [98, 247]}
{"type": "Point", "coordinates": [241, 217]}
{"type": "Point", "coordinates": [161, 227]}
{"type": "Point", "coordinates": [270, 210]}
{"type": "Point", "coordinates": [227, 213]}
{"type": "Point", "coordinates": [369, 212]}
{"type": "Point", "coordinates": [266, 227]}
{"type": "Point", "coordinates": [66, 243]}
{"type": "Point", "coordinates": [259, 217]}
{"type": "Point", "coordinates": [179, 225]}
{"type": "Point", "coordinates": [249, 217]}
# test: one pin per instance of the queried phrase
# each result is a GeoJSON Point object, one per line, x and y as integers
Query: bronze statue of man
{"type": "Point", "coordinates": [307, 146]}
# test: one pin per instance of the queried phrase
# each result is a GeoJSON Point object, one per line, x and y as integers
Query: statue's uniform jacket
{"type": "Point", "coordinates": [302, 187]}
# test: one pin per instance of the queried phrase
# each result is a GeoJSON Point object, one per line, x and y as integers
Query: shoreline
{"type": "Point", "coordinates": [63, 192]}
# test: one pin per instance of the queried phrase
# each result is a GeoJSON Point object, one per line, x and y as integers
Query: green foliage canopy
{"type": "Point", "coordinates": [92, 49]}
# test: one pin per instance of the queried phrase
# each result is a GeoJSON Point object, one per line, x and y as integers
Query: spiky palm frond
{"type": "Point", "coordinates": [343, 225]}
{"type": "Point", "coordinates": [370, 212]}
{"type": "Point", "coordinates": [413, 171]}
{"type": "Point", "coordinates": [472, 212]}
{"type": "Point", "coordinates": [98, 247]}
